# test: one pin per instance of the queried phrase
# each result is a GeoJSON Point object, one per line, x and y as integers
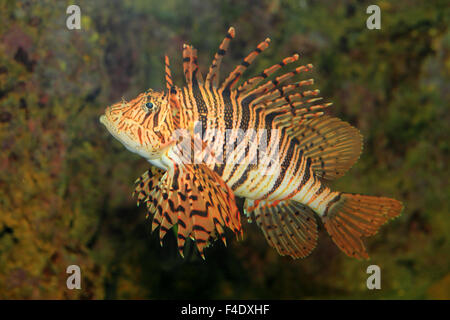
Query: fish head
{"type": "Point", "coordinates": [143, 125]}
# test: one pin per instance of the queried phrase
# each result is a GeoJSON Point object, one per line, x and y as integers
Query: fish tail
{"type": "Point", "coordinates": [349, 217]}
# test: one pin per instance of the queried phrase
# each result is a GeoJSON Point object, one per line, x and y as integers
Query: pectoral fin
{"type": "Point", "coordinates": [195, 198]}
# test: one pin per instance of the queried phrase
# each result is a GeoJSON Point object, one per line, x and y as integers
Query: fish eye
{"type": "Point", "coordinates": [147, 107]}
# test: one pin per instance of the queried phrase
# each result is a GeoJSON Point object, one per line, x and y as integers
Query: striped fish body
{"type": "Point", "coordinates": [266, 140]}
{"type": "Point", "coordinates": [283, 172]}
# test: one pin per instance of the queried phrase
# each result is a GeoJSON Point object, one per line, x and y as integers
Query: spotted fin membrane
{"type": "Point", "coordinates": [193, 197]}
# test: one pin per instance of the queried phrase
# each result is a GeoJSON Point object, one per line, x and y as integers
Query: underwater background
{"type": "Point", "coordinates": [66, 184]}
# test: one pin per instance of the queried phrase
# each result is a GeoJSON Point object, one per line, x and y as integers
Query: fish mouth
{"type": "Point", "coordinates": [110, 125]}
{"type": "Point", "coordinates": [106, 122]}
{"type": "Point", "coordinates": [124, 138]}
{"type": "Point", "coordinates": [103, 120]}
{"type": "Point", "coordinates": [127, 141]}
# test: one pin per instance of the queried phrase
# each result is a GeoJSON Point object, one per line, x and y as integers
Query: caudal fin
{"type": "Point", "coordinates": [351, 216]}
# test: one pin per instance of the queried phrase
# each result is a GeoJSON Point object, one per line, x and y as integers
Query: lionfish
{"type": "Point", "coordinates": [284, 190]}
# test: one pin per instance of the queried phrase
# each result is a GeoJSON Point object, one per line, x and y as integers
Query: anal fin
{"type": "Point", "coordinates": [289, 227]}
